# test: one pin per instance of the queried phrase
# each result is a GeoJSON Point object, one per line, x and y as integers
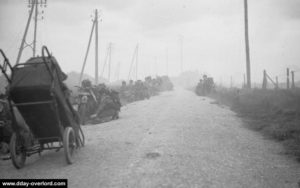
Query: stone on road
{"type": "Point", "coordinates": [176, 139]}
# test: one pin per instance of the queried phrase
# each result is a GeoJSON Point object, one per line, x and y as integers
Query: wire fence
{"type": "Point", "coordinates": [289, 80]}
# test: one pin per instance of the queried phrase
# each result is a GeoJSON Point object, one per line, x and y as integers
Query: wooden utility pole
{"type": "Point", "coordinates": [96, 47]}
{"type": "Point", "coordinates": [167, 62]}
{"type": "Point", "coordinates": [25, 34]}
{"type": "Point", "coordinates": [94, 28]}
{"type": "Point", "coordinates": [109, 61]}
{"type": "Point", "coordinates": [288, 78]}
{"type": "Point", "coordinates": [35, 28]}
{"type": "Point", "coordinates": [87, 52]}
{"type": "Point", "coordinates": [105, 61]}
{"type": "Point", "coordinates": [181, 53]}
{"type": "Point", "coordinates": [134, 60]}
{"type": "Point", "coordinates": [156, 66]}
{"type": "Point", "coordinates": [117, 73]}
{"type": "Point", "coordinates": [33, 4]}
{"type": "Point", "coordinates": [247, 45]}
{"type": "Point", "coordinates": [293, 79]}
{"type": "Point", "coordinates": [265, 81]}
{"type": "Point", "coordinates": [137, 61]}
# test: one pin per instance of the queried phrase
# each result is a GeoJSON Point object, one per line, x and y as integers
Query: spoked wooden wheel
{"type": "Point", "coordinates": [69, 142]}
{"type": "Point", "coordinates": [17, 151]}
{"type": "Point", "coordinates": [81, 137]}
{"type": "Point", "coordinates": [82, 113]}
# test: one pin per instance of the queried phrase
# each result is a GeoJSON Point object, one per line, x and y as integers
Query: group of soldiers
{"type": "Point", "coordinates": [140, 90]}
{"type": "Point", "coordinates": [97, 103]}
{"type": "Point", "coordinates": [205, 86]}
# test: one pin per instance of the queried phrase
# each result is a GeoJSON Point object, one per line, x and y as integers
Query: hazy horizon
{"type": "Point", "coordinates": [212, 33]}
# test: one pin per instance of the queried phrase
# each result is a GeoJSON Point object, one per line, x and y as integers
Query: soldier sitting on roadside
{"type": "Point", "coordinates": [108, 105]}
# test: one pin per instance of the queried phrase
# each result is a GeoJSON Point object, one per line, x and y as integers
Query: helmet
{"type": "Point", "coordinates": [86, 83]}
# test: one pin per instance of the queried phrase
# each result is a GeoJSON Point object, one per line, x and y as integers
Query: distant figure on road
{"type": "Point", "coordinates": [205, 86]}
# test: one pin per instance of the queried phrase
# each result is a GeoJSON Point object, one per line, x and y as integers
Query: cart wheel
{"type": "Point", "coordinates": [82, 113]}
{"type": "Point", "coordinates": [17, 151]}
{"type": "Point", "coordinates": [81, 137]}
{"type": "Point", "coordinates": [69, 142]}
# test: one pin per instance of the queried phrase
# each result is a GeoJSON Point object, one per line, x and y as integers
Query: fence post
{"type": "Point", "coordinates": [277, 85]}
{"type": "Point", "coordinates": [264, 85]}
{"type": "Point", "coordinates": [288, 78]}
{"type": "Point", "coordinates": [293, 80]}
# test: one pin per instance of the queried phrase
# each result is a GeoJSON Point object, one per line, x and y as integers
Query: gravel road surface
{"type": "Point", "coordinates": [176, 139]}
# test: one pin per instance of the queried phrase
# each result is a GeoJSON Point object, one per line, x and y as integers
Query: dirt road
{"type": "Point", "coordinates": [173, 140]}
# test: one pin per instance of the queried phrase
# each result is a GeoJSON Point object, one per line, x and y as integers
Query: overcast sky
{"type": "Point", "coordinates": [212, 32]}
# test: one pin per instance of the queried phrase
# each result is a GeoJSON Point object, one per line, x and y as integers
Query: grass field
{"type": "Point", "coordinates": [274, 113]}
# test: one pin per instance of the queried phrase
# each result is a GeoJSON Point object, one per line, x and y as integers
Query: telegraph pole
{"type": "Point", "coordinates": [134, 60]}
{"type": "Point", "coordinates": [96, 47]}
{"type": "Point", "coordinates": [94, 28]}
{"type": "Point", "coordinates": [167, 61]}
{"type": "Point", "coordinates": [288, 78]}
{"type": "Point", "coordinates": [109, 61]}
{"type": "Point", "coordinates": [137, 61]}
{"type": "Point", "coordinates": [247, 45]}
{"type": "Point", "coordinates": [117, 73]}
{"type": "Point", "coordinates": [35, 28]}
{"type": "Point", "coordinates": [156, 66]}
{"type": "Point", "coordinates": [33, 5]}
{"type": "Point", "coordinates": [181, 52]}
{"type": "Point", "coordinates": [87, 52]}
{"type": "Point", "coordinates": [24, 36]}
{"type": "Point", "coordinates": [293, 79]}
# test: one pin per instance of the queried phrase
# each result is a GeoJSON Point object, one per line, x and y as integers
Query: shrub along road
{"type": "Point", "coordinates": [176, 139]}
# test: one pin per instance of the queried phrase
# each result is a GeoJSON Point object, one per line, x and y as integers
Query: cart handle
{"type": "Point", "coordinates": [44, 48]}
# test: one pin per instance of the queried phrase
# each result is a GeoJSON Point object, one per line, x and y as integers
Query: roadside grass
{"type": "Point", "coordinates": [274, 113]}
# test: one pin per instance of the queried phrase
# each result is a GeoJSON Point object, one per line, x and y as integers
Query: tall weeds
{"type": "Point", "coordinates": [275, 113]}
